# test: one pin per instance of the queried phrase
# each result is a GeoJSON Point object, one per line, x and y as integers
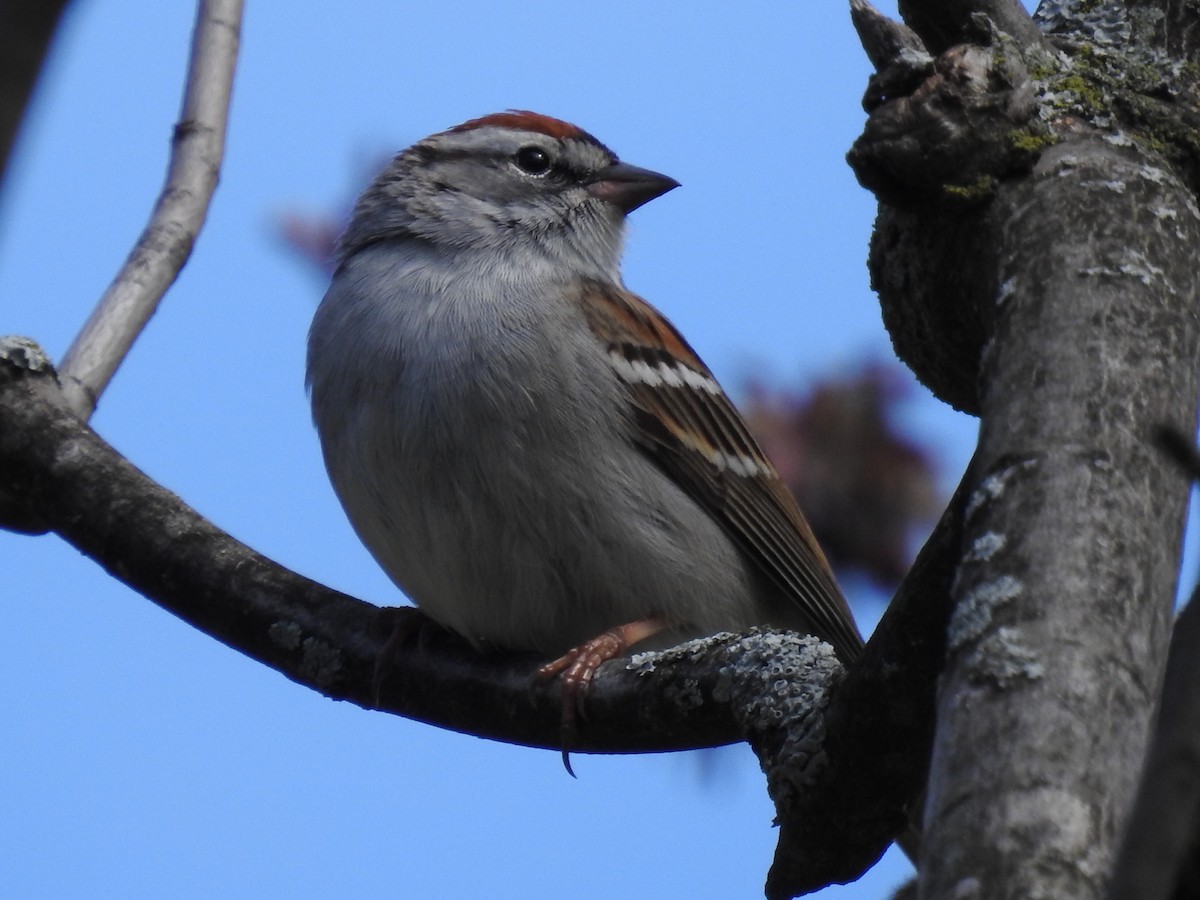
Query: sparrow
{"type": "Point", "coordinates": [532, 452]}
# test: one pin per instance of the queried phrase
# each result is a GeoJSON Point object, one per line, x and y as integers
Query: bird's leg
{"type": "Point", "coordinates": [576, 667]}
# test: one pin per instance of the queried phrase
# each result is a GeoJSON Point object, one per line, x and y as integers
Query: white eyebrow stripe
{"type": "Point", "coordinates": [675, 375]}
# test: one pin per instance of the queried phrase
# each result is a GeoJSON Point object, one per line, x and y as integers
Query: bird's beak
{"type": "Point", "coordinates": [628, 187]}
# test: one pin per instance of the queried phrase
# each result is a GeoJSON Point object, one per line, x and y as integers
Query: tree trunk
{"type": "Point", "coordinates": [1034, 254]}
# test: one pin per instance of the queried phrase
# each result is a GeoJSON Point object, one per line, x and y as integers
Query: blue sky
{"type": "Point", "coordinates": [141, 758]}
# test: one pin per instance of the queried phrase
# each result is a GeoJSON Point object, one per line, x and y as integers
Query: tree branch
{"type": "Point", "coordinates": [1035, 263]}
{"type": "Point", "coordinates": [26, 29]}
{"type": "Point", "coordinates": [1163, 834]}
{"type": "Point", "coordinates": [840, 826]}
{"type": "Point", "coordinates": [1164, 828]}
{"type": "Point", "coordinates": [859, 779]}
{"type": "Point", "coordinates": [943, 24]}
{"type": "Point", "coordinates": [1175, 27]}
{"type": "Point", "coordinates": [148, 538]}
{"type": "Point", "coordinates": [166, 243]}
{"type": "Point", "coordinates": [1064, 605]}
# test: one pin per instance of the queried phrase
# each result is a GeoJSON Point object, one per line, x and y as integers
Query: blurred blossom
{"type": "Point", "coordinates": [867, 490]}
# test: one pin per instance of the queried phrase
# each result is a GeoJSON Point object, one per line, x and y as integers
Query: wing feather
{"type": "Point", "coordinates": [690, 428]}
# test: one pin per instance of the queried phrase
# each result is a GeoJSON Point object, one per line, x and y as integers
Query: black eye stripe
{"type": "Point", "coordinates": [558, 168]}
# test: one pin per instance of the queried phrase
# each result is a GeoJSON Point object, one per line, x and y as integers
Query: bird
{"type": "Point", "coordinates": [533, 453]}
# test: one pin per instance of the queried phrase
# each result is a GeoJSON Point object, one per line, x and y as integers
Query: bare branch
{"type": "Point", "coordinates": [1164, 828]}
{"type": "Point", "coordinates": [886, 703]}
{"type": "Point", "coordinates": [1173, 24]}
{"type": "Point", "coordinates": [1180, 448]}
{"type": "Point", "coordinates": [166, 243]}
{"type": "Point", "coordinates": [143, 535]}
{"type": "Point", "coordinates": [26, 29]}
{"type": "Point", "coordinates": [940, 139]}
{"type": "Point", "coordinates": [1063, 604]}
{"type": "Point", "coordinates": [1034, 261]}
{"type": "Point", "coordinates": [884, 40]}
{"type": "Point", "coordinates": [859, 781]}
{"type": "Point", "coordinates": [943, 24]}
{"type": "Point", "coordinates": [1163, 834]}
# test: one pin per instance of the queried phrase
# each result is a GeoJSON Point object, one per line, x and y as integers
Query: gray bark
{"type": "Point", "coordinates": [1066, 588]}
{"type": "Point", "coordinates": [1034, 255]}
{"type": "Point", "coordinates": [163, 248]}
{"type": "Point", "coordinates": [1160, 856]}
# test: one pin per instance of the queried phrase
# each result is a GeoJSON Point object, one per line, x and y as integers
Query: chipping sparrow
{"type": "Point", "coordinates": [534, 454]}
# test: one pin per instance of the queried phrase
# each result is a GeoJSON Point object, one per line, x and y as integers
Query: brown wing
{"type": "Point", "coordinates": [690, 428]}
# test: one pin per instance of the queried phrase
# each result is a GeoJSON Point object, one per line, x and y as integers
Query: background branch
{"type": "Point", "coordinates": [166, 242]}
{"type": "Point", "coordinates": [1163, 835]}
{"type": "Point", "coordinates": [1164, 829]}
{"type": "Point", "coordinates": [26, 29]}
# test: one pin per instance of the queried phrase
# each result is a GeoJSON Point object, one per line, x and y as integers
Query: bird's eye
{"type": "Point", "coordinates": [532, 160]}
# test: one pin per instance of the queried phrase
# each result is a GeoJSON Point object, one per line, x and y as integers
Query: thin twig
{"type": "Point", "coordinates": [166, 243]}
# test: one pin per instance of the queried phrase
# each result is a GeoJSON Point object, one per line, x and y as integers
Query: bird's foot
{"type": "Point", "coordinates": [576, 668]}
